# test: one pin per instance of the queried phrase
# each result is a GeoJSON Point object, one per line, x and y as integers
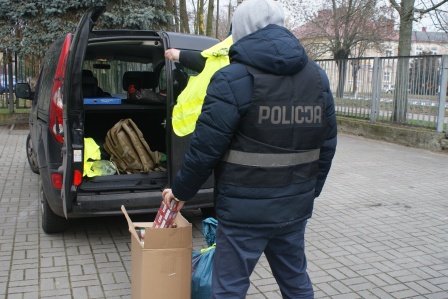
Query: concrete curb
{"type": "Point", "coordinates": [408, 136]}
{"type": "Point", "coordinates": [8, 119]}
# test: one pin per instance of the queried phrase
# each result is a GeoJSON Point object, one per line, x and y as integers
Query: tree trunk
{"type": "Point", "coordinates": [17, 77]}
{"type": "Point", "coordinates": [342, 70]}
{"type": "Point", "coordinates": [10, 84]}
{"type": "Point", "coordinates": [184, 27]}
{"type": "Point", "coordinates": [341, 57]}
{"type": "Point", "coordinates": [400, 107]}
{"type": "Point", "coordinates": [170, 7]}
{"type": "Point", "coordinates": [211, 8]}
{"type": "Point", "coordinates": [355, 65]}
{"type": "Point", "coordinates": [176, 16]}
{"type": "Point", "coordinates": [200, 18]}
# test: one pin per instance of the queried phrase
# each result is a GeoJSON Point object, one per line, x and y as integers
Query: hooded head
{"type": "Point", "coordinates": [253, 15]}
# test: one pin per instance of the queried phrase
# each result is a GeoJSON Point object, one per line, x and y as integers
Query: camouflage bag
{"type": "Point", "coordinates": [129, 150]}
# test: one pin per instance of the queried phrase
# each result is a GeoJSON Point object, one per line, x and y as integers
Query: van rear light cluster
{"type": "Point", "coordinates": [56, 180]}
{"type": "Point", "coordinates": [77, 178]}
{"type": "Point", "coordinates": [56, 108]}
{"type": "Point", "coordinates": [56, 103]}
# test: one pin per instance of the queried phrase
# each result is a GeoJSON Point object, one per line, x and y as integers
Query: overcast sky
{"type": "Point", "coordinates": [417, 26]}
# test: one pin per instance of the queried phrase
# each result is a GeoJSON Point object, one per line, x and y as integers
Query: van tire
{"type": "Point", "coordinates": [51, 223]}
{"type": "Point", "coordinates": [31, 155]}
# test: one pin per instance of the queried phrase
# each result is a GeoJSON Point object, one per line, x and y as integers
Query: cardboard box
{"type": "Point", "coordinates": [161, 266]}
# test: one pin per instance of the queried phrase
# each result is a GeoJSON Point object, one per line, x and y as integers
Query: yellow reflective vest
{"type": "Point", "coordinates": [91, 153]}
{"type": "Point", "coordinates": [189, 103]}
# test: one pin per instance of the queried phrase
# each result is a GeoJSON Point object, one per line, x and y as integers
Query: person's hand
{"type": "Point", "coordinates": [168, 196]}
{"type": "Point", "coordinates": [172, 54]}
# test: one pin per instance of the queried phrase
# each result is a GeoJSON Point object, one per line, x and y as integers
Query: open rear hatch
{"type": "Point", "coordinates": [112, 59]}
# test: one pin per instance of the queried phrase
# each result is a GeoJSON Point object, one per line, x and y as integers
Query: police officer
{"type": "Point", "coordinates": [268, 131]}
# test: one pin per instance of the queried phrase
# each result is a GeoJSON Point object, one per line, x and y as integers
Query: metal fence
{"type": "Point", "coordinates": [23, 69]}
{"type": "Point", "coordinates": [408, 91]}
{"type": "Point", "coordinates": [403, 90]}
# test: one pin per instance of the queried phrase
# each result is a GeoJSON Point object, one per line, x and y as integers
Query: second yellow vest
{"type": "Point", "coordinates": [189, 102]}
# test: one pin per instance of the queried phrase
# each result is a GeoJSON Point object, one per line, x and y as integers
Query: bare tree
{"type": "Point", "coordinates": [172, 11]}
{"type": "Point", "coordinates": [183, 17]}
{"type": "Point", "coordinates": [440, 18]}
{"type": "Point", "coordinates": [210, 10]}
{"type": "Point", "coordinates": [408, 13]}
{"type": "Point", "coordinates": [192, 14]}
{"type": "Point", "coordinates": [200, 18]}
{"type": "Point", "coordinates": [344, 28]}
{"type": "Point", "coordinates": [294, 9]}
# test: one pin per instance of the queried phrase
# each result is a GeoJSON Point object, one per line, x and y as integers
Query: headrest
{"type": "Point", "coordinates": [87, 73]}
{"type": "Point", "coordinates": [140, 80]}
{"type": "Point", "coordinates": [89, 87]}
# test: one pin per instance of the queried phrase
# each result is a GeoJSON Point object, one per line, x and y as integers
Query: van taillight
{"type": "Point", "coordinates": [56, 180]}
{"type": "Point", "coordinates": [55, 123]}
{"type": "Point", "coordinates": [56, 102]}
{"type": "Point", "coordinates": [77, 178]}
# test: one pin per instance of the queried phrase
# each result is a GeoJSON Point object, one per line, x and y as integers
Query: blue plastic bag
{"type": "Point", "coordinates": [202, 263]}
{"type": "Point", "coordinates": [209, 226]}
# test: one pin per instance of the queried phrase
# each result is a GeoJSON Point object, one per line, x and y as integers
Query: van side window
{"type": "Point", "coordinates": [47, 75]}
{"type": "Point", "coordinates": [109, 74]}
{"type": "Point", "coordinates": [37, 88]}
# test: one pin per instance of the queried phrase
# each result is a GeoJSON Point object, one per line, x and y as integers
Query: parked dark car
{"type": "Point", "coordinates": [61, 118]}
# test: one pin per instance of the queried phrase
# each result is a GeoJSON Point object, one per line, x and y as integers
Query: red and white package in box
{"type": "Point", "coordinates": [166, 215]}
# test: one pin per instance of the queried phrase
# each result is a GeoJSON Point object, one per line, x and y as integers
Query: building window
{"type": "Point", "coordinates": [418, 50]}
{"type": "Point", "coordinates": [386, 77]}
{"type": "Point", "coordinates": [389, 51]}
{"type": "Point", "coordinates": [434, 51]}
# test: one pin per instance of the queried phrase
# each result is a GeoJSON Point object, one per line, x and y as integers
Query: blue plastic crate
{"type": "Point", "coordinates": [102, 101]}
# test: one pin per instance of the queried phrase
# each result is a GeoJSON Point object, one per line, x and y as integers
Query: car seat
{"type": "Point", "coordinates": [90, 88]}
{"type": "Point", "coordinates": [141, 88]}
{"type": "Point", "coordinates": [140, 80]}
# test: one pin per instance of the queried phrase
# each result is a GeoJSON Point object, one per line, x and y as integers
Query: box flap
{"type": "Point", "coordinates": [130, 224]}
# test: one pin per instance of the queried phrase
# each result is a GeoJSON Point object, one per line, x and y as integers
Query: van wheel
{"type": "Point", "coordinates": [31, 155]}
{"type": "Point", "coordinates": [208, 212]}
{"type": "Point", "coordinates": [51, 223]}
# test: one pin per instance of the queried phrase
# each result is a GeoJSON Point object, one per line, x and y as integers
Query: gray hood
{"type": "Point", "coordinates": [253, 15]}
{"type": "Point", "coordinates": [273, 49]}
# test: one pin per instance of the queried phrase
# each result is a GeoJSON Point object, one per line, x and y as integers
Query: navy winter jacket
{"type": "Point", "coordinates": [274, 50]}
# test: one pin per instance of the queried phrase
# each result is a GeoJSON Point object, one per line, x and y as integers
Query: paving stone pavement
{"type": "Point", "coordinates": [379, 230]}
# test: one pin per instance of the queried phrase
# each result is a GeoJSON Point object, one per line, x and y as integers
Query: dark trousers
{"type": "Point", "coordinates": [237, 253]}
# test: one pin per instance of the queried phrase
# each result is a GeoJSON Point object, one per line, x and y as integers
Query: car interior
{"type": "Point", "coordinates": [110, 69]}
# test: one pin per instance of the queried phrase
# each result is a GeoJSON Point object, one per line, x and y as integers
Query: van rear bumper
{"type": "Point", "coordinates": [109, 203]}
